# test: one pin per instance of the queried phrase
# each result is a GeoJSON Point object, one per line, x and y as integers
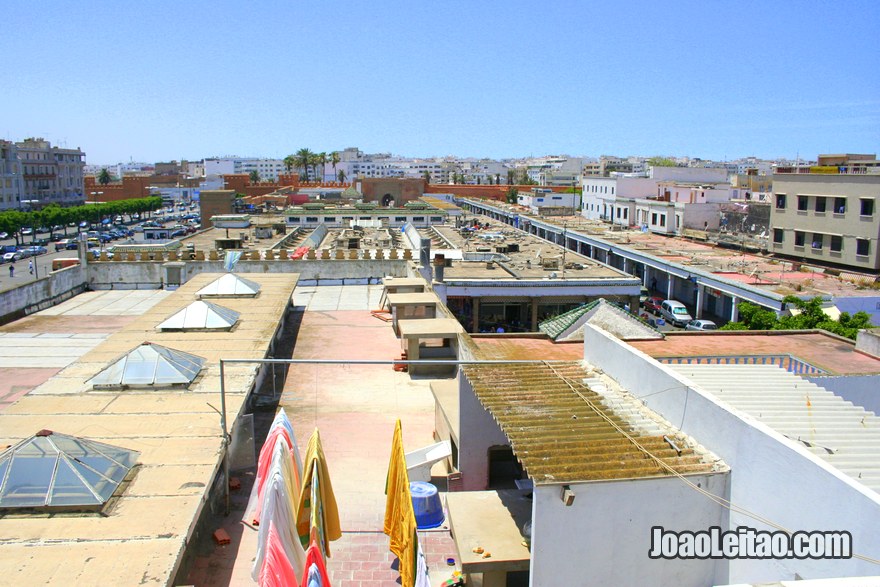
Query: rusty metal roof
{"type": "Point", "coordinates": [563, 431]}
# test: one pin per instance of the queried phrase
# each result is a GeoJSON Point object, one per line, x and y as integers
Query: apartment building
{"type": "Point", "coordinates": [51, 175]}
{"type": "Point", "coordinates": [10, 176]}
{"type": "Point", "coordinates": [267, 169]}
{"type": "Point", "coordinates": [827, 216]}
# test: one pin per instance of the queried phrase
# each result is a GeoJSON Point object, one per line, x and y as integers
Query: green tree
{"type": "Point", "coordinates": [290, 163]}
{"type": "Point", "coordinates": [661, 162]}
{"type": "Point", "coordinates": [497, 179]}
{"type": "Point", "coordinates": [254, 176]}
{"type": "Point", "coordinates": [104, 177]}
{"type": "Point", "coordinates": [334, 159]}
{"type": "Point", "coordinates": [810, 316]}
{"type": "Point", "coordinates": [427, 175]}
{"type": "Point", "coordinates": [341, 176]}
{"type": "Point", "coordinates": [321, 160]}
{"type": "Point", "coordinates": [512, 195]}
{"type": "Point", "coordinates": [303, 160]}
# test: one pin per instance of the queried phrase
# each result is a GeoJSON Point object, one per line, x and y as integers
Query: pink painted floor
{"type": "Point", "coordinates": [827, 352]}
{"type": "Point", "coordinates": [354, 408]}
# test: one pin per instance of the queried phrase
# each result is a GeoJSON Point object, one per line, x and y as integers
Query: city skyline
{"type": "Point", "coordinates": [174, 82]}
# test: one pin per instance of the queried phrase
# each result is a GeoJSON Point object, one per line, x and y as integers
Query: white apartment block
{"type": "Point", "coordinates": [268, 169]}
{"type": "Point", "coordinates": [10, 176]}
{"type": "Point", "coordinates": [51, 175]}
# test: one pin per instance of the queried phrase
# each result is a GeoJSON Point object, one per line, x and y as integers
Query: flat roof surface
{"type": "Point", "coordinates": [842, 434]}
{"type": "Point", "coordinates": [834, 355]}
{"type": "Point", "coordinates": [413, 299]}
{"type": "Point", "coordinates": [759, 270]}
{"type": "Point", "coordinates": [524, 263]}
{"type": "Point", "coordinates": [510, 347]}
{"type": "Point", "coordinates": [562, 430]}
{"type": "Point", "coordinates": [429, 327]}
{"type": "Point", "coordinates": [176, 431]}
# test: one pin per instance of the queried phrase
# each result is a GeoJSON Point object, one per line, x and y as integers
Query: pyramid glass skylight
{"type": "Point", "coordinates": [55, 471]}
{"type": "Point", "coordinates": [150, 365]}
{"type": "Point", "coordinates": [230, 285]}
{"type": "Point", "coordinates": [201, 315]}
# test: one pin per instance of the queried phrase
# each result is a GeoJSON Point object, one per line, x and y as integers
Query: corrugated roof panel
{"type": "Point", "coordinates": [835, 430]}
{"type": "Point", "coordinates": [562, 430]}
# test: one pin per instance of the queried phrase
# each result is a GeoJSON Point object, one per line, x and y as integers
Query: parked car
{"type": "Point", "coordinates": [11, 257]}
{"type": "Point", "coordinates": [675, 313]}
{"type": "Point", "coordinates": [652, 305]}
{"type": "Point", "coordinates": [4, 235]}
{"type": "Point", "coordinates": [27, 231]}
{"type": "Point", "coordinates": [33, 251]}
{"type": "Point", "coordinates": [701, 325]}
{"type": "Point", "coordinates": [62, 244]}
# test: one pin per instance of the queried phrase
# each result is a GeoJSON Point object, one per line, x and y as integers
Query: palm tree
{"type": "Point", "coordinates": [289, 163]}
{"type": "Point", "coordinates": [341, 176]}
{"type": "Point", "coordinates": [254, 176]}
{"type": "Point", "coordinates": [334, 159]}
{"type": "Point", "coordinates": [104, 177]}
{"type": "Point", "coordinates": [321, 159]}
{"type": "Point", "coordinates": [303, 159]}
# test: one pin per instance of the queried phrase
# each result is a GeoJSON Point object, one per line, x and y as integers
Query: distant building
{"type": "Point", "coordinates": [828, 213]}
{"type": "Point", "coordinates": [267, 169]}
{"type": "Point", "coordinates": [52, 175]}
{"type": "Point", "coordinates": [10, 176]}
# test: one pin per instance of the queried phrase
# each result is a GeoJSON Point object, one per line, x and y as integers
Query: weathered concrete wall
{"type": "Point", "coordinates": [868, 342]}
{"type": "Point", "coordinates": [42, 293]}
{"type": "Point", "coordinates": [604, 537]}
{"type": "Point", "coordinates": [151, 275]}
{"type": "Point", "coordinates": [479, 432]}
{"type": "Point", "coordinates": [771, 475]}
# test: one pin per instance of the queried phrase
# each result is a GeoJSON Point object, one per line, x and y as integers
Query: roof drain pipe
{"type": "Point", "coordinates": [672, 444]}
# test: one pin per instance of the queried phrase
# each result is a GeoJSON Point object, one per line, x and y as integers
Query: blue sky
{"type": "Point", "coordinates": [169, 80]}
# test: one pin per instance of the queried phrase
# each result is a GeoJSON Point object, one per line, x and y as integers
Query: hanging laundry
{"type": "Point", "coordinates": [422, 579]}
{"type": "Point", "coordinates": [400, 518]}
{"type": "Point", "coordinates": [276, 570]}
{"type": "Point", "coordinates": [279, 511]}
{"type": "Point", "coordinates": [280, 429]}
{"type": "Point", "coordinates": [316, 574]}
{"type": "Point", "coordinates": [316, 472]}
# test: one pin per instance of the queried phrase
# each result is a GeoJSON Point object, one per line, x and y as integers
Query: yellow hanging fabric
{"type": "Point", "coordinates": [400, 518]}
{"type": "Point", "coordinates": [315, 471]}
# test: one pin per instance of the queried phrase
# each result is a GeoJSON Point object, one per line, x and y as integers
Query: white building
{"type": "Point", "coordinates": [52, 175]}
{"type": "Point", "coordinates": [10, 176]}
{"type": "Point", "coordinates": [268, 169]}
{"type": "Point", "coordinates": [543, 198]}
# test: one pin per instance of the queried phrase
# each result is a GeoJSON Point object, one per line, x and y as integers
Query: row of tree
{"type": "Point", "coordinates": [809, 316]}
{"type": "Point", "coordinates": [12, 221]}
{"type": "Point", "coordinates": [306, 160]}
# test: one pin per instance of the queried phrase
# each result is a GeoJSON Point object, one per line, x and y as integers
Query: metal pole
{"type": "Point", "coordinates": [225, 443]}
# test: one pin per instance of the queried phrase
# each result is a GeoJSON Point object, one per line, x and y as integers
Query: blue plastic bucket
{"type": "Point", "coordinates": [427, 506]}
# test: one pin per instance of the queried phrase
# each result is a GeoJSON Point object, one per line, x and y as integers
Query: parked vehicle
{"type": "Point", "coordinates": [652, 305]}
{"type": "Point", "coordinates": [4, 235]}
{"type": "Point", "coordinates": [62, 244]}
{"type": "Point", "coordinates": [675, 313]}
{"type": "Point", "coordinates": [11, 257]}
{"type": "Point", "coordinates": [34, 250]}
{"type": "Point", "coordinates": [701, 325]}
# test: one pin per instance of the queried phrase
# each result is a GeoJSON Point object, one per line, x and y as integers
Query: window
{"type": "Point", "coordinates": [799, 238]}
{"type": "Point", "coordinates": [863, 247]}
{"type": "Point", "coordinates": [663, 220]}
{"type": "Point", "coordinates": [840, 205]}
{"type": "Point", "coordinates": [818, 240]}
{"type": "Point", "coordinates": [330, 219]}
{"type": "Point", "coordinates": [836, 243]}
{"type": "Point", "coordinates": [820, 204]}
{"type": "Point", "coordinates": [418, 219]}
{"type": "Point", "coordinates": [399, 219]}
{"type": "Point", "coordinates": [436, 219]}
{"type": "Point", "coordinates": [311, 218]}
{"type": "Point", "coordinates": [293, 220]}
{"type": "Point", "coordinates": [867, 207]}
{"type": "Point", "coordinates": [777, 235]}
{"type": "Point", "coordinates": [653, 218]}
{"type": "Point", "coordinates": [780, 201]}
{"type": "Point", "coordinates": [803, 202]}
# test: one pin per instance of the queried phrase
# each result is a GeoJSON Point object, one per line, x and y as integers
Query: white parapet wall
{"type": "Point", "coordinates": [772, 477]}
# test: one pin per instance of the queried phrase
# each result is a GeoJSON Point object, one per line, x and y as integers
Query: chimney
{"type": "Point", "coordinates": [439, 264]}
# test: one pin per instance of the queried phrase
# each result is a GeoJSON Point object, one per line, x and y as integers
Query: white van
{"type": "Point", "coordinates": [675, 313]}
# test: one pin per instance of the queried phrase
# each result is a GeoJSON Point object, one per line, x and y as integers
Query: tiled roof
{"type": "Point", "coordinates": [561, 430]}
{"type": "Point", "coordinates": [601, 313]}
{"type": "Point", "coordinates": [835, 430]}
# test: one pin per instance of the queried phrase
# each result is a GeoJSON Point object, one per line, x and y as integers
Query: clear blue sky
{"type": "Point", "coordinates": [191, 79]}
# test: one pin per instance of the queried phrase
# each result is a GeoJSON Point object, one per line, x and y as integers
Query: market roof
{"type": "Point", "coordinates": [150, 365]}
{"type": "Point", "coordinates": [562, 430]}
{"type": "Point", "coordinates": [601, 313]}
{"type": "Point", "coordinates": [201, 315]}
{"type": "Point", "coordinates": [843, 434]}
{"type": "Point", "coordinates": [230, 285]}
{"type": "Point", "coordinates": [50, 471]}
